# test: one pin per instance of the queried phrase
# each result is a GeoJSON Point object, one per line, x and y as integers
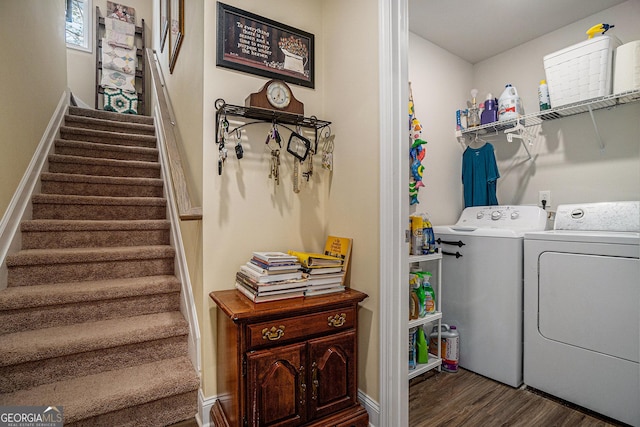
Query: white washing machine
{"type": "Point", "coordinates": [482, 286]}
{"type": "Point", "coordinates": [582, 304]}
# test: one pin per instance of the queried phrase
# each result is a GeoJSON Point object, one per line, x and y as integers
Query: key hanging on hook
{"type": "Point", "coordinates": [276, 134]}
{"type": "Point", "coordinates": [222, 151]}
{"type": "Point", "coordinates": [309, 172]}
{"type": "Point", "coordinates": [239, 149]}
{"type": "Point", "coordinates": [275, 166]}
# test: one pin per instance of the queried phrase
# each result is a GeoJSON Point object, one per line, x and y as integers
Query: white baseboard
{"type": "Point", "coordinates": [19, 207]}
{"type": "Point", "coordinates": [372, 407]}
{"type": "Point", "coordinates": [205, 404]}
{"type": "Point", "coordinates": [204, 409]}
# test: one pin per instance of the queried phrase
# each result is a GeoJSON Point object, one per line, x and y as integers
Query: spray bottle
{"type": "Point", "coordinates": [600, 28]}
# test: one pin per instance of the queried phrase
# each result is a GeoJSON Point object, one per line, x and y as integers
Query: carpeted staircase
{"type": "Point", "coordinates": [90, 319]}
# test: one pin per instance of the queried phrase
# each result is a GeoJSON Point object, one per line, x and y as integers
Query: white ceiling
{"type": "Point", "coordinates": [476, 30]}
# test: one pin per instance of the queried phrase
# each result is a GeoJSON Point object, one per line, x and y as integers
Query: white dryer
{"type": "Point", "coordinates": [483, 286]}
{"type": "Point", "coordinates": [582, 305]}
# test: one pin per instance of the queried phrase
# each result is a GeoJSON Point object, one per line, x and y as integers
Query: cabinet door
{"type": "Point", "coordinates": [276, 386]}
{"type": "Point", "coordinates": [332, 376]}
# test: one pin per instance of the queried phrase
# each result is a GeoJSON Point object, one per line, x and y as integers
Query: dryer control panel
{"type": "Point", "coordinates": [604, 216]}
{"type": "Point", "coordinates": [512, 217]}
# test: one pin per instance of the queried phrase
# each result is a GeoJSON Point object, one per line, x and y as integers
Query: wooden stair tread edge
{"type": "Point", "coordinates": [98, 200]}
{"type": "Point", "coordinates": [112, 390]}
{"type": "Point", "coordinates": [47, 225]}
{"type": "Point", "coordinates": [27, 257]}
{"type": "Point", "coordinates": [57, 341]}
{"type": "Point", "coordinates": [24, 297]}
{"type": "Point", "coordinates": [65, 158]}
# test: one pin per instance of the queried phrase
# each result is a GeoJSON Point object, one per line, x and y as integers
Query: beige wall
{"type": "Point", "coordinates": [567, 157]}
{"type": "Point", "coordinates": [243, 210]}
{"type": "Point", "coordinates": [351, 98]}
{"type": "Point", "coordinates": [185, 85]}
{"type": "Point", "coordinates": [437, 91]}
{"type": "Point", "coordinates": [82, 65]}
{"type": "Point", "coordinates": [33, 78]}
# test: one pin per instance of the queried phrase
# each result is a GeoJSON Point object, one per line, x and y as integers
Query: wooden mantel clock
{"type": "Point", "coordinates": [275, 95]}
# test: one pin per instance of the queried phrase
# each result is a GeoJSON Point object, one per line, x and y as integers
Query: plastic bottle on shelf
{"type": "Point", "coordinates": [490, 112]}
{"type": "Point", "coordinates": [543, 96]}
{"type": "Point", "coordinates": [449, 346]}
{"type": "Point", "coordinates": [412, 348]}
{"type": "Point", "coordinates": [422, 347]}
{"type": "Point", "coordinates": [430, 295]}
{"type": "Point", "coordinates": [509, 104]}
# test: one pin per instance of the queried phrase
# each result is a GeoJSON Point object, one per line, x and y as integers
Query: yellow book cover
{"type": "Point", "coordinates": [311, 259]}
{"type": "Point", "coordinates": [340, 247]}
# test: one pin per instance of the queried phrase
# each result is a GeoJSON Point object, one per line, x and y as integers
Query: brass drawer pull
{"type": "Point", "coordinates": [337, 320]}
{"type": "Point", "coordinates": [273, 334]}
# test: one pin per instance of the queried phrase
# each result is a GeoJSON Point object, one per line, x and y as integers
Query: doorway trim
{"type": "Point", "coordinates": [394, 211]}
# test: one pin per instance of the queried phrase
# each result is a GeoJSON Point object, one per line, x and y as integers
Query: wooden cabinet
{"type": "Point", "coordinates": [288, 363]}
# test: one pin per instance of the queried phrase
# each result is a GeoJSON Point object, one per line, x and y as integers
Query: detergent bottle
{"type": "Point", "coordinates": [422, 347]}
{"type": "Point", "coordinates": [449, 346]}
{"type": "Point", "coordinates": [509, 104]}
{"type": "Point", "coordinates": [543, 96]}
{"type": "Point", "coordinates": [490, 112]}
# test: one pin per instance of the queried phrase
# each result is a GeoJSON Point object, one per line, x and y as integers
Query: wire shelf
{"type": "Point", "coordinates": [536, 118]}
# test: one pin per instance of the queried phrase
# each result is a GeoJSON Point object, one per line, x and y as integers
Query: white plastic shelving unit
{"type": "Point", "coordinates": [435, 318]}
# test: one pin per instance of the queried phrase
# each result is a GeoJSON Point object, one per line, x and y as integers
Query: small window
{"type": "Point", "coordinates": [78, 24]}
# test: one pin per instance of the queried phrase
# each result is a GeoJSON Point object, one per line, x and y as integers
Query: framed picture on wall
{"type": "Point", "coordinates": [176, 31]}
{"type": "Point", "coordinates": [261, 46]}
{"type": "Point", "coordinates": [164, 23]}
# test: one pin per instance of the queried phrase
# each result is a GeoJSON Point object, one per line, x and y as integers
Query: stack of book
{"type": "Point", "coordinates": [271, 276]}
{"type": "Point", "coordinates": [324, 273]}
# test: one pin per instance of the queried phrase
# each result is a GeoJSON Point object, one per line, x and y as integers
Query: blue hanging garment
{"type": "Point", "coordinates": [479, 176]}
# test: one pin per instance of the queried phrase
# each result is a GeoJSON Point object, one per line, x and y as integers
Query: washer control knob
{"type": "Point", "coordinates": [515, 215]}
{"type": "Point", "coordinates": [495, 215]}
{"type": "Point", "coordinates": [480, 215]}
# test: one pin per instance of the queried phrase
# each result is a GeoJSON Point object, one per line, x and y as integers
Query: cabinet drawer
{"type": "Point", "coordinates": [292, 328]}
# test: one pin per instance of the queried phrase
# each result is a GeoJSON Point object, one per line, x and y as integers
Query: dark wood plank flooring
{"type": "Point", "coordinates": [467, 399]}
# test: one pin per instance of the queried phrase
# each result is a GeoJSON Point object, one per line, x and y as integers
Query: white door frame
{"type": "Point", "coordinates": [394, 212]}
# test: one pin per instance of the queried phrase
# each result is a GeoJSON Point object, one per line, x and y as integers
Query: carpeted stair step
{"type": "Point", "coordinates": [25, 308]}
{"type": "Point", "coordinates": [108, 125]}
{"type": "Point", "coordinates": [153, 394]}
{"type": "Point", "coordinates": [108, 115]}
{"type": "Point", "coordinates": [55, 206]}
{"type": "Point", "coordinates": [116, 138]}
{"type": "Point", "coordinates": [92, 185]}
{"type": "Point", "coordinates": [103, 167]}
{"type": "Point", "coordinates": [71, 351]}
{"type": "Point", "coordinates": [42, 266]}
{"type": "Point", "coordinates": [105, 151]}
{"type": "Point", "coordinates": [54, 234]}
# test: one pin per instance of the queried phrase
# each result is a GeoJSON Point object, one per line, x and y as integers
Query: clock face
{"type": "Point", "coordinates": [278, 94]}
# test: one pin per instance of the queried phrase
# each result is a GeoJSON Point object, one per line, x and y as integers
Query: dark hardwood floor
{"type": "Point", "coordinates": [467, 399]}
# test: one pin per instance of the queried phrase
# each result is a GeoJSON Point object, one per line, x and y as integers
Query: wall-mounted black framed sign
{"type": "Point", "coordinates": [261, 46]}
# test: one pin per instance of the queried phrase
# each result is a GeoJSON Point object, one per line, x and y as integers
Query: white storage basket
{"type": "Point", "coordinates": [582, 71]}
